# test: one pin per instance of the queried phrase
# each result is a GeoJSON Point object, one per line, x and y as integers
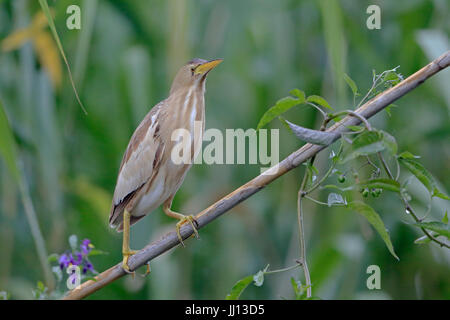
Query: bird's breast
{"type": "Point", "coordinates": [182, 131]}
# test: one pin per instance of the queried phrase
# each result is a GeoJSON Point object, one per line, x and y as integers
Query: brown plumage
{"type": "Point", "coordinates": [148, 176]}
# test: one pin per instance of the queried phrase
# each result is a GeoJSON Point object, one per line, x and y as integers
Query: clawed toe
{"type": "Point", "coordinates": [193, 223]}
{"type": "Point", "coordinates": [147, 272]}
{"type": "Point", "coordinates": [125, 266]}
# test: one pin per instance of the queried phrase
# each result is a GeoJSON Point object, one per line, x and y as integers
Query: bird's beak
{"type": "Point", "coordinates": [204, 68]}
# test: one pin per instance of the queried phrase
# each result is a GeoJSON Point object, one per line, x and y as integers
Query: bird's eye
{"type": "Point", "coordinates": [192, 70]}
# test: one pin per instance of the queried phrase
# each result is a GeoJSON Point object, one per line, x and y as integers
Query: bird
{"type": "Point", "coordinates": [148, 175]}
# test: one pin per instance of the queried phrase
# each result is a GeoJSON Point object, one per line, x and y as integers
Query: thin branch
{"type": "Point", "coordinates": [408, 206]}
{"type": "Point", "coordinates": [301, 233]}
{"type": "Point", "coordinates": [228, 202]}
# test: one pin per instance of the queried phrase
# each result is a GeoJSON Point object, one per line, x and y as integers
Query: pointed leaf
{"type": "Point", "coordinates": [407, 155]}
{"type": "Point", "coordinates": [280, 107]}
{"type": "Point", "coordinates": [385, 184]}
{"type": "Point", "coordinates": [436, 226]}
{"type": "Point", "coordinates": [369, 142]}
{"type": "Point", "coordinates": [53, 257]}
{"type": "Point", "coordinates": [320, 101]}
{"type": "Point", "coordinates": [374, 219]}
{"type": "Point", "coordinates": [96, 252]}
{"type": "Point", "coordinates": [422, 240]}
{"type": "Point", "coordinates": [355, 128]}
{"type": "Point", "coordinates": [299, 94]}
{"type": "Point", "coordinates": [437, 193]}
{"type": "Point", "coordinates": [238, 288]}
{"type": "Point", "coordinates": [389, 142]}
{"type": "Point", "coordinates": [351, 84]}
{"type": "Point", "coordinates": [420, 172]}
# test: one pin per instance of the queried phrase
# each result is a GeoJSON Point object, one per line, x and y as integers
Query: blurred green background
{"type": "Point", "coordinates": [123, 60]}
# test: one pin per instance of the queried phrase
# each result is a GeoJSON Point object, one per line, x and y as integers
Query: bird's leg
{"type": "Point", "coordinates": [148, 270]}
{"type": "Point", "coordinates": [126, 251]}
{"type": "Point", "coordinates": [183, 219]}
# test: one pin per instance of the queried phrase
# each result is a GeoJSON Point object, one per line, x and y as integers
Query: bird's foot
{"type": "Point", "coordinates": [126, 255]}
{"type": "Point", "coordinates": [184, 220]}
{"type": "Point", "coordinates": [147, 272]}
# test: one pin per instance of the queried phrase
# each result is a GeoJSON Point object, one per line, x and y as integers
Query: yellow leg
{"type": "Point", "coordinates": [148, 270]}
{"type": "Point", "coordinates": [183, 219]}
{"type": "Point", "coordinates": [126, 251]}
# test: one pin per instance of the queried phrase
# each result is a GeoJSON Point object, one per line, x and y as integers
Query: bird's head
{"type": "Point", "coordinates": [193, 73]}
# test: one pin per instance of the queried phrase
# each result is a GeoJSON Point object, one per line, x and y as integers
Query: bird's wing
{"type": "Point", "coordinates": [138, 164]}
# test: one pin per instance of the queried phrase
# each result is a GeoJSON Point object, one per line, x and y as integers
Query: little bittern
{"type": "Point", "coordinates": [148, 176]}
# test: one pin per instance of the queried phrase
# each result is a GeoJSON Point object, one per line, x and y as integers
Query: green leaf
{"type": "Point", "coordinates": [296, 285]}
{"type": "Point", "coordinates": [445, 218]}
{"type": "Point", "coordinates": [90, 279]}
{"type": "Point", "coordinates": [300, 290]}
{"type": "Point", "coordinates": [96, 252]}
{"type": "Point", "coordinates": [53, 257]}
{"type": "Point", "coordinates": [320, 101]}
{"type": "Point", "coordinates": [436, 226]}
{"type": "Point", "coordinates": [374, 219]}
{"type": "Point", "coordinates": [299, 94]}
{"type": "Point", "coordinates": [355, 128]}
{"type": "Point", "coordinates": [392, 77]}
{"type": "Point", "coordinates": [365, 143]}
{"type": "Point", "coordinates": [385, 184]}
{"type": "Point", "coordinates": [351, 84]}
{"type": "Point", "coordinates": [437, 193]}
{"type": "Point", "coordinates": [40, 286]}
{"type": "Point", "coordinates": [238, 288]}
{"type": "Point", "coordinates": [420, 172]}
{"type": "Point", "coordinates": [51, 23]}
{"type": "Point", "coordinates": [407, 155]}
{"type": "Point", "coordinates": [280, 107]}
{"type": "Point", "coordinates": [388, 109]}
{"type": "Point", "coordinates": [369, 142]}
{"type": "Point", "coordinates": [389, 142]}
{"type": "Point", "coordinates": [422, 240]}
{"type": "Point", "coordinates": [8, 145]}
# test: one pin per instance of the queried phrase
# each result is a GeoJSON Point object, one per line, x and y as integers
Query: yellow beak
{"type": "Point", "coordinates": [207, 66]}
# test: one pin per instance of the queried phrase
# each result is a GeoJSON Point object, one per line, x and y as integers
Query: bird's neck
{"type": "Point", "coordinates": [189, 105]}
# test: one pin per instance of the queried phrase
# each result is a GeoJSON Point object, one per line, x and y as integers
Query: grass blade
{"type": "Point", "coordinates": [51, 23]}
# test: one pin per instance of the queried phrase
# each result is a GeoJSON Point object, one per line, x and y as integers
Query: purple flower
{"type": "Point", "coordinates": [86, 247]}
{"type": "Point", "coordinates": [77, 259]}
{"type": "Point", "coordinates": [64, 261]}
{"type": "Point", "coordinates": [88, 267]}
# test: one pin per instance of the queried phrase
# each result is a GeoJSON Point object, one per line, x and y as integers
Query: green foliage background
{"type": "Point", "coordinates": [123, 60]}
